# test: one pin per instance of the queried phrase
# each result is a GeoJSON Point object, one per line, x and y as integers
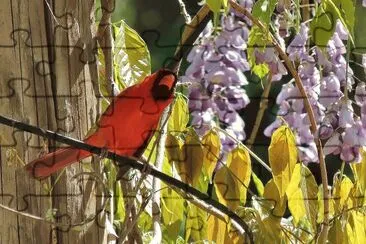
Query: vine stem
{"type": "Point", "coordinates": [308, 108]}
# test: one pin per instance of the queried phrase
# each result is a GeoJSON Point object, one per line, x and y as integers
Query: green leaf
{"type": "Point", "coordinates": [282, 157]}
{"type": "Point", "coordinates": [258, 40]}
{"type": "Point", "coordinates": [263, 10]}
{"type": "Point", "coordinates": [196, 224]}
{"type": "Point", "coordinates": [131, 56]}
{"type": "Point", "coordinates": [359, 28]}
{"type": "Point", "coordinates": [258, 184]}
{"type": "Point", "coordinates": [179, 117]}
{"type": "Point", "coordinates": [172, 211]}
{"type": "Point", "coordinates": [323, 25]}
{"type": "Point", "coordinates": [216, 5]}
{"type": "Point", "coordinates": [261, 70]}
{"type": "Point", "coordinates": [302, 196]}
{"type": "Point", "coordinates": [347, 10]}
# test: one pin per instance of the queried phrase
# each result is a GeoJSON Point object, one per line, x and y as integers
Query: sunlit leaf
{"type": "Point", "coordinates": [211, 151]}
{"type": "Point", "coordinates": [261, 70]}
{"type": "Point", "coordinates": [272, 197]}
{"type": "Point", "coordinates": [238, 161]}
{"type": "Point", "coordinates": [282, 157]}
{"type": "Point", "coordinates": [172, 211]}
{"type": "Point", "coordinates": [196, 224]}
{"type": "Point", "coordinates": [131, 56]}
{"type": "Point", "coordinates": [216, 229]}
{"type": "Point", "coordinates": [302, 196]}
{"type": "Point", "coordinates": [358, 225]}
{"type": "Point", "coordinates": [359, 171]}
{"type": "Point", "coordinates": [340, 193]}
{"type": "Point", "coordinates": [227, 191]}
{"type": "Point", "coordinates": [263, 10]}
{"type": "Point", "coordinates": [179, 117]}
{"type": "Point", "coordinates": [216, 5]}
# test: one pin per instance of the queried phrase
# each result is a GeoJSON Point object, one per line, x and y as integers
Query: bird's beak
{"type": "Point", "coordinates": [168, 81]}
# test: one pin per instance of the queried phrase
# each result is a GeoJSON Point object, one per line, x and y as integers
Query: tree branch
{"type": "Point", "coordinates": [133, 163]}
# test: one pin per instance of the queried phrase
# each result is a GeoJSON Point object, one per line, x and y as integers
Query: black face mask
{"type": "Point", "coordinates": [162, 91]}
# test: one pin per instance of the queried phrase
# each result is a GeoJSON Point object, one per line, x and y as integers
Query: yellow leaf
{"type": "Point", "coordinates": [357, 222]}
{"type": "Point", "coordinates": [194, 157]}
{"type": "Point", "coordinates": [271, 231]}
{"type": "Point", "coordinates": [356, 197]}
{"type": "Point", "coordinates": [211, 151]}
{"type": "Point", "coordinates": [227, 190]}
{"type": "Point", "coordinates": [179, 117]}
{"type": "Point", "coordinates": [337, 233]}
{"type": "Point", "coordinates": [282, 157]}
{"type": "Point", "coordinates": [216, 229]}
{"type": "Point", "coordinates": [273, 198]}
{"type": "Point", "coordinates": [340, 193]}
{"type": "Point", "coordinates": [238, 161]}
{"type": "Point", "coordinates": [359, 171]}
{"type": "Point", "coordinates": [302, 195]}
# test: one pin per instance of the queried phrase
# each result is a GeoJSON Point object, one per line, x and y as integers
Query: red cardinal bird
{"type": "Point", "coordinates": [125, 128]}
{"type": "Point", "coordinates": [129, 122]}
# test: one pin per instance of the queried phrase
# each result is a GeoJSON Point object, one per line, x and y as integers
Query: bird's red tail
{"type": "Point", "coordinates": [52, 162]}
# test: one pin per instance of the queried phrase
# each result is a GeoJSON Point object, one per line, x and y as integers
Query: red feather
{"type": "Point", "coordinates": [125, 128]}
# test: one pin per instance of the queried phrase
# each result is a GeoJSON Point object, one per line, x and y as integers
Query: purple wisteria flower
{"type": "Point", "coordinates": [216, 72]}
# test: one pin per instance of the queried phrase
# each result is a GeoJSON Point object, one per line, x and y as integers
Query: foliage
{"type": "Point", "coordinates": [290, 206]}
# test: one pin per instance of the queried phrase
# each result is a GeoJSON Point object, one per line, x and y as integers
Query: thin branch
{"type": "Point", "coordinates": [131, 162]}
{"type": "Point", "coordinates": [184, 12]}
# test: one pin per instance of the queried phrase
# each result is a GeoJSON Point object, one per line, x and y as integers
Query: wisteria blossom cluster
{"type": "Point", "coordinates": [216, 72]}
{"type": "Point", "coordinates": [326, 77]}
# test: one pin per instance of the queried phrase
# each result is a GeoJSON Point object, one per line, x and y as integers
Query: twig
{"type": "Point", "coordinates": [262, 107]}
{"type": "Point", "coordinates": [131, 162]}
{"type": "Point", "coordinates": [184, 12]}
{"type": "Point", "coordinates": [308, 108]}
